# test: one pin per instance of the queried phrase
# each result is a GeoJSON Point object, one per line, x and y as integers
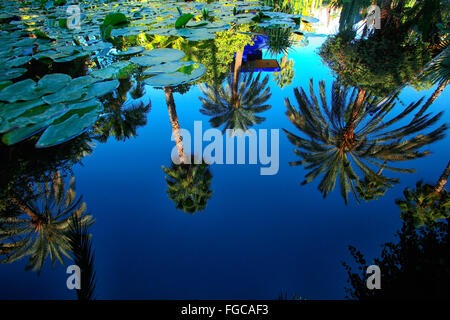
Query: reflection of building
{"type": "Point", "coordinates": [252, 58]}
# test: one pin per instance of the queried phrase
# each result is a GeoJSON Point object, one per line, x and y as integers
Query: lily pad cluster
{"type": "Point", "coordinates": [58, 105]}
{"type": "Point", "coordinates": [166, 68]}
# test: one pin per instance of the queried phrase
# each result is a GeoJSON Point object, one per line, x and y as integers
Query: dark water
{"type": "Point", "coordinates": [258, 236]}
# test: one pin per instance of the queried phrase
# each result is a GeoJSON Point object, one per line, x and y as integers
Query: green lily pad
{"type": "Point", "coordinates": [52, 83]}
{"type": "Point", "coordinates": [24, 133]}
{"type": "Point", "coordinates": [100, 89]}
{"type": "Point", "coordinates": [68, 129]}
{"type": "Point", "coordinates": [20, 91]}
{"type": "Point", "coordinates": [12, 73]}
{"type": "Point", "coordinates": [167, 67]}
{"type": "Point", "coordinates": [183, 75]}
{"type": "Point", "coordinates": [17, 62]}
{"type": "Point", "coordinates": [117, 70]}
{"type": "Point", "coordinates": [9, 112]}
{"type": "Point", "coordinates": [129, 51]}
{"type": "Point", "coordinates": [167, 53]}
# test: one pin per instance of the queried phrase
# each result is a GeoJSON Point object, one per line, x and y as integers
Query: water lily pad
{"type": "Point", "coordinates": [20, 91]}
{"type": "Point", "coordinates": [166, 53]}
{"type": "Point", "coordinates": [129, 51]}
{"type": "Point", "coordinates": [12, 73]}
{"type": "Point", "coordinates": [167, 67]}
{"type": "Point", "coordinates": [17, 62]}
{"type": "Point", "coordinates": [52, 83]}
{"type": "Point", "coordinates": [68, 129]}
{"type": "Point", "coordinates": [100, 89]}
{"type": "Point", "coordinates": [147, 61]}
{"type": "Point", "coordinates": [117, 70]}
{"type": "Point", "coordinates": [181, 76]}
{"type": "Point", "coordinates": [24, 133]}
{"type": "Point", "coordinates": [9, 112]}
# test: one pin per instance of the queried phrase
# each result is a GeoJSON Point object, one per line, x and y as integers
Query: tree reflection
{"type": "Point", "coordinates": [426, 203]}
{"type": "Point", "coordinates": [236, 106]}
{"type": "Point", "coordinates": [188, 181]}
{"type": "Point", "coordinates": [122, 115]}
{"type": "Point", "coordinates": [342, 137]}
{"type": "Point", "coordinates": [39, 228]}
{"type": "Point", "coordinates": [415, 267]}
{"type": "Point", "coordinates": [189, 185]}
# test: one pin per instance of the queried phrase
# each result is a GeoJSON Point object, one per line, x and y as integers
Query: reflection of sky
{"type": "Point", "coordinates": [259, 234]}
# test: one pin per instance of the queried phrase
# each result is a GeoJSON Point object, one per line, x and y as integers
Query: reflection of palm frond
{"type": "Point", "coordinates": [40, 228]}
{"type": "Point", "coordinates": [81, 247]}
{"type": "Point", "coordinates": [340, 138]}
{"type": "Point", "coordinates": [438, 70]}
{"type": "Point", "coordinates": [279, 40]}
{"type": "Point", "coordinates": [220, 104]}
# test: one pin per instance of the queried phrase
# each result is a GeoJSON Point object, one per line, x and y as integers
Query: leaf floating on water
{"type": "Point", "coordinates": [167, 67]}
{"type": "Point", "coordinates": [12, 73]}
{"type": "Point", "coordinates": [20, 91]}
{"type": "Point", "coordinates": [52, 83]}
{"type": "Point", "coordinates": [178, 77]}
{"type": "Point", "coordinates": [68, 129]}
{"type": "Point", "coordinates": [24, 133]}
{"type": "Point", "coordinates": [9, 112]}
{"type": "Point", "coordinates": [17, 62]}
{"type": "Point", "coordinates": [129, 51]}
{"type": "Point", "coordinates": [100, 89]}
{"type": "Point", "coordinates": [166, 53]}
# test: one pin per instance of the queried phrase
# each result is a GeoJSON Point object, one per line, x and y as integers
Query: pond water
{"type": "Point", "coordinates": [214, 231]}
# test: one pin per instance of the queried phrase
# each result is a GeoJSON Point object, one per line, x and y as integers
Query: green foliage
{"type": "Point", "coordinates": [183, 20]}
{"type": "Point", "coordinates": [337, 143]}
{"type": "Point", "coordinates": [438, 71]}
{"type": "Point", "coordinates": [422, 205]}
{"type": "Point", "coordinates": [286, 75]}
{"type": "Point", "coordinates": [378, 66]}
{"type": "Point", "coordinates": [189, 185]}
{"type": "Point", "coordinates": [371, 190]}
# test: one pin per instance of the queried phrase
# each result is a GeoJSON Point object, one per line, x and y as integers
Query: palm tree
{"type": "Point", "coordinates": [237, 107]}
{"type": "Point", "coordinates": [342, 137]}
{"type": "Point", "coordinates": [426, 203]}
{"type": "Point", "coordinates": [189, 185]}
{"type": "Point", "coordinates": [40, 227]}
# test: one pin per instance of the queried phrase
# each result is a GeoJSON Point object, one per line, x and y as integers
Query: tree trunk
{"type": "Point", "coordinates": [349, 130]}
{"type": "Point", "coordinates": [433, 97]}
{"type": "Point", "coordinates": [237, 71]}
{"type": "Point", "coordinates": [443, 179]}
{"type": "Point", "coordinates": [174, 121]}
